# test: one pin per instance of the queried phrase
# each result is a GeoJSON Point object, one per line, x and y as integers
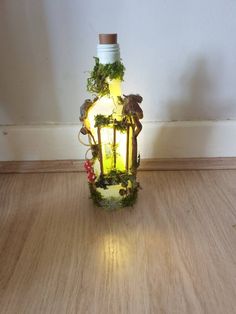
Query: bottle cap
{"type": "Point", "coordinates": [106, 39]}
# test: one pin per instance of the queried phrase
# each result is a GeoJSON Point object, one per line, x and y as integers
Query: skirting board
{"type": "Point", "coordinates": [146, 165]}
{"type": "Point", "coordinates": [183, 139]}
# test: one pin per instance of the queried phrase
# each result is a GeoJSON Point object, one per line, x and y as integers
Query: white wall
{"type": "Point", "coordinates": [180, 56]}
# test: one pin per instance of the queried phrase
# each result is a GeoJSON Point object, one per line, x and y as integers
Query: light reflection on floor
{"type": "Point", "coordinates": [114, 251]}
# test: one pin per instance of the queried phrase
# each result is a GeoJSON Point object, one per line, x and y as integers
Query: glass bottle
{"type": "Point", "coordinates": [111, 121]}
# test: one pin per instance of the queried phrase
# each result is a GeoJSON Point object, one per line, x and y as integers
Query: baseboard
{"type": "Point", "coordinates": [183, 139]}
{"type": "Point", "coordinates": [146, 165]}
{"type": "Point", "coordinates": [210, 163]}
{"type": "Point", "coordinates": [37, 166]}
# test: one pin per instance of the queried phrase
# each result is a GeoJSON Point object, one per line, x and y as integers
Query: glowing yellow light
{"type": "Point", "coordinates": [114, 250]}
{"type": "Point", "coordinates": [114, 87]}
{"type": "Point", "coordinates": [109, 105]}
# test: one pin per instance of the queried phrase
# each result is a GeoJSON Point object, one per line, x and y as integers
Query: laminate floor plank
{"type": "Point", "coordinates": [174, 252]}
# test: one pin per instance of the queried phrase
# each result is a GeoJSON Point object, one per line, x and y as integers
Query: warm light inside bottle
{"type": "Point", "coordinates": [107, 105]}
{"type": "Point", "coordinates": [115, 144]}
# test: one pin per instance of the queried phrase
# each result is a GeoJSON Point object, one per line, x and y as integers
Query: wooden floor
{"type": "Point", "coordinates": [174, 252]}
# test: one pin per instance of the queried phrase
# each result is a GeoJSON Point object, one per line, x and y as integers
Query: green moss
{"type": "Point", "coordinates": [108, 121]}
{"type": "Point", "coordinates": [130, 199]}
{"type": "Point", "coordinates": [95, 195]}
{"type": "Point", "coordinates": [115, 177]}
{"type": "Point", "coordinates": [97, 82]}
{"type": "Point", "coordinates": [121, 125]}
{"type": "Point", "coordinates": [102, 121]}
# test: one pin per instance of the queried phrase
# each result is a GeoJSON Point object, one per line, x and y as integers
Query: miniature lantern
{"type": "Point", "coordinates": [111, 121]}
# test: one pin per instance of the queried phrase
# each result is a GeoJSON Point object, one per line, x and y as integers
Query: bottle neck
{"type": "Point", "coordinates": [115, 88]}
{"type": "Point", "coordinates": [108, 53]}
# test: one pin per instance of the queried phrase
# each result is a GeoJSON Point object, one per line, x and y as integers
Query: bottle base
{"type": "Point", "coordinates": [113, 203]}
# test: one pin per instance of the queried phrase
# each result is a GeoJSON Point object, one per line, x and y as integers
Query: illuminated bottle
{"type": "Point", "coordinates": [111, 121]}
